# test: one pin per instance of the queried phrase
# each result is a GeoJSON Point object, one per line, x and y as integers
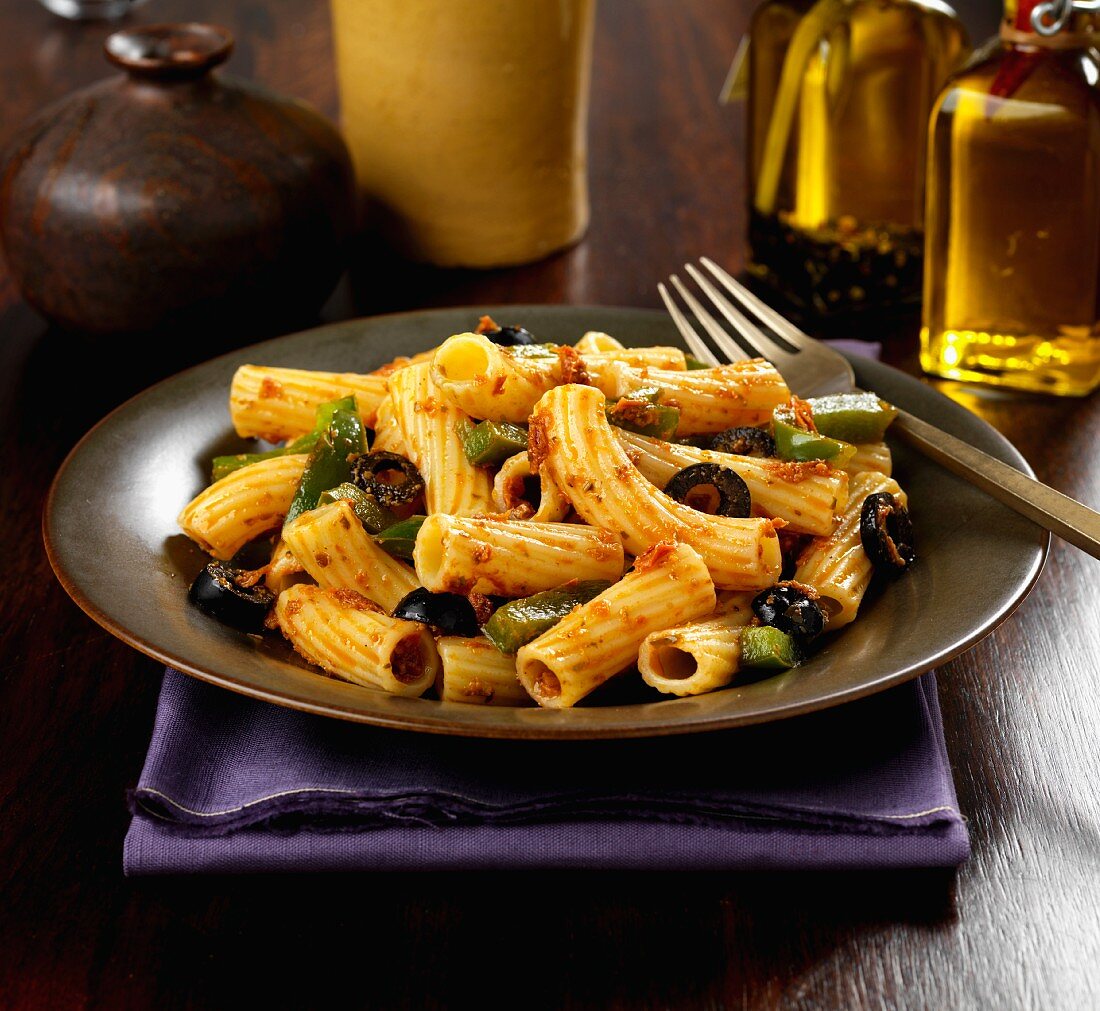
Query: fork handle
{"type": "Point", "coordinates": [1040, 503]}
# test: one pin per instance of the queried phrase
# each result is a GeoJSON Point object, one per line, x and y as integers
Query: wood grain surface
{"type": "Point", "coordinates": [1018, 926]}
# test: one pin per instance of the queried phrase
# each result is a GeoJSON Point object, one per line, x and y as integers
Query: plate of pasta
{"type": "Point", "coordinates": [562, 527]}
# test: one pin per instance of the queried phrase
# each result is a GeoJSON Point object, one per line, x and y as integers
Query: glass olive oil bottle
{"type": "Point", "coordinates": [837, 145]}
{"type": "Point", "coordinates": [1012, 288]}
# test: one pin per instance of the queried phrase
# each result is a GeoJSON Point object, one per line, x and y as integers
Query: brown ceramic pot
{"type": "Point", "coordinates": [173, 197]}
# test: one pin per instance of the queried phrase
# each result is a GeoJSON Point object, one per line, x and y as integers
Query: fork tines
{"type": "Point", "coordinates": [802, 360]}
{"type": "Point", "coordinates": [749, 339]}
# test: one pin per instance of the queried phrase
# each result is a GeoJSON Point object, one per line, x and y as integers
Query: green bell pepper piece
{"type": "Point", "coordinates": [399, 539]}
{"type": "Point", "coordinates": [795, 443]}
{"type": "Point", "coordinates": [329, 463]}
{"type": "Point", "coordinates": [327, 410]}
{"type": "Point", "coordinates": [764, 646]}
{"type": "Point", "coordinates": [373, 516]}
{"type": "Point", "coordinates": [693, 364]}
{"type": "Point", "coordinates": [519, 621]}
{"type": "Point", "coordinates": [852, 417]}
{"type": "Point", "coordinates": [492, 442]}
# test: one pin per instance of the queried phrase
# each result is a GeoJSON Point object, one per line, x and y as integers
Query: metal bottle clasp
{"type": "Point", "coordinates": [1050, 18]}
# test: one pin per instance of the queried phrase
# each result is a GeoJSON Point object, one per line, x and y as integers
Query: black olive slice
{"type": "Point", "coordinates": [791, 609]}
{"type": "Point", "coordinates": [744, 442]}
{"type": "Point", "coordinates": [886, 532]}
{"type": "Point", "coordinates": [711, 488]}
{"type": "Point", "coordinates": [217, 591]}
{"type": "Point", "coordinates": [388, 477]}
{"type": "Point", "coordinates": [511, 336]}
{"type": "Point", "coordinates": [449, 613]}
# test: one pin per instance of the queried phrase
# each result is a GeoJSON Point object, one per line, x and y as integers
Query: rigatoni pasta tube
{"type": "Point", "coordinates": [335, 550]}
{"type": "Point", "coordinates": [403, 362]}
{"type": "Point", "coordinates": [600, 364]}
{"type": "Point", "coordinates": [570, 435]}
{"type": "Point", "coordinates": [349, 636]}
{"type": "Point", "coordinates": [242, 505]}
{"type": "Point", "coordinates": [710, 400]}
{"type": "Point", "coordinates": [429, 425]}
{"type": "Point", "coordinates": [595, 344]}
{"type": "Point", "coordinates": [870, 456]}
{"type": "Point", "coordinates": [510, 491]}
{"type": "Point", "coordinates": [488, 381]}
{"type": "Point", "coordinates": [837, 566]}
{"type": "Point", "coordinates": [284, 570]}
{"type": "Point", "coordinates": [475, 671]}
{"type": "Point", "coordinates": [511, 558]}
{"type": "Point", "coordinates": [669, 585]}
{"type": "Point", "coordinates": [387, 431]}
{"type": "Point", "coordinates": [277, 404]}
{"type": "Point", "coordinates": [807, 496]}
{"type": "Point", "coordinates": [597, 340]}
{"type": "Point", "coordinates": [699, 657]}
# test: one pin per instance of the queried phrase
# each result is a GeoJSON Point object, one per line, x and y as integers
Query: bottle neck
{"type": "Point", "coordinates": [1051, 24]}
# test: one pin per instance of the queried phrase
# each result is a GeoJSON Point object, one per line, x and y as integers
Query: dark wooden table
{"type": "Point", "coordinates": [1018, 926]}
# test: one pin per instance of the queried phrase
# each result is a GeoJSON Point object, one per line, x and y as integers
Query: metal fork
{"type": "Point", "coordinates": [812, 369]}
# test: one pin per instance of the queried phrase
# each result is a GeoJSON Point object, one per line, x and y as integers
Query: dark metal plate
{"type": "Point", "coordinates": [111, 534]}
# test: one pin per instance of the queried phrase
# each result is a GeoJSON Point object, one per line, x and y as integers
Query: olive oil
{"type": "Point", "coordinates": [838, 145]}
{"type": "Point", "coordinates": [1012, 290]}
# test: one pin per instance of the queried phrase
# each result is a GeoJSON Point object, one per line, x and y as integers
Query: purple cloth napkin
{"type": "Point", "coordinates": [235, 785]}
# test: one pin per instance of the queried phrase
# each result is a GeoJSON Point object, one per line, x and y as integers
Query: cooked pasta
{"type": "Point", "coordinates": [600, 365]}
{"type": "Point", "coordinates": [510, 491]}
{"type": "Point", "coordinates": [475, 671]}
{"type": "Point", "coordinates": [387, 431]}
{"type": "Point", "coordinates": [870, 456]}
{"type": "Point", "coordinates": [332, 546]}
{"type": "Point", "coordinates": [348, 635]}
{"type": "Point", "coordinates": [668, 585]}
{"type": "Point", "coordinates": [570, 435]}
{"type": "Point", "coordinates": [487, 381]}
{"type": "Point", "coordinates": [242, 505]}
{"type": "Point", "coordinates": [699, 657]}
{"type": "Point", "coordinates": [429, 426]}
{"type": "Point", "coordinates": [710, 400]}
{"type": "Point", "coordinates": [277, 404]}
{"type": "Point", "coordinates": [284, 569]}
{"type": "Point", "coordinates": [511, 558]}
{"type": "Point", "coordinates": [596, 340]}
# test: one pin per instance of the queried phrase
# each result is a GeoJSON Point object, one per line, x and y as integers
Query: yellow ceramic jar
{"type": "Point", "coordinates": [467, 123]}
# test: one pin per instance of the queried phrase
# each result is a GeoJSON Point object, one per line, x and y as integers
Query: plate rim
{"type": "Point", "coordinates": [438, 724]}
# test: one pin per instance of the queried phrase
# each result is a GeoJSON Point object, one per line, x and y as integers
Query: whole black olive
{"type": "Point", "coordinates": [886, 532]}
{"type": "Point", "coordinates": [449, 613]}
{"type": "Point", "coordinates": [217, 591]}
{"type": "Point", "coordinates": [788, 607]}
{"type": "Point", "coordinates": [373, 472]}
{"type": "Point", "coordinates": [511, 336]}
{"type": "Point", "coordinates": [744, 442]}
{"type": "Point", "coordinates": [701, 484]}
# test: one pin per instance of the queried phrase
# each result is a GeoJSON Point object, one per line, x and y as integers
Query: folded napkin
{"type": "Point", "coordinates": [231, 784]}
